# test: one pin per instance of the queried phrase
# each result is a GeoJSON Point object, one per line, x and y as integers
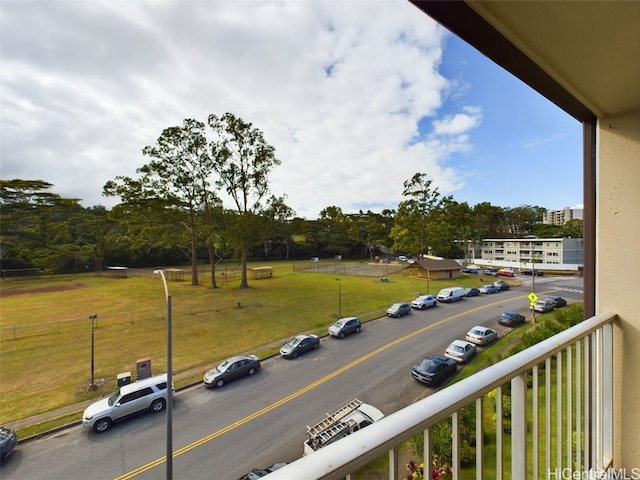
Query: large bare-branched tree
{"type": "Point", "coordinates": [243, 160]}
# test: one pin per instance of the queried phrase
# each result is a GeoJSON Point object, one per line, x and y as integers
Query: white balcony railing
{"type": "Point", "coordinates": [569, 409]}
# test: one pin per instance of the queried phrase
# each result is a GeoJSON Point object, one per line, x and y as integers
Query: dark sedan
{"type": "Point", "coordinates": [434, 369]}
{"type": "Point", "coordinates": [8, 440]}
{"type": "Point", "coordinates": [471, 292]}
{"type": "Point", "coordinates": [511, 319]}
{"type": "Point", "coordinates": [488, 289]}
{"type": "Point", "coordinates": [231, 369]}
{"type": "Point", "coordinates": [556, 301]}
{"type": "Point", "coordinates": [299, 344]}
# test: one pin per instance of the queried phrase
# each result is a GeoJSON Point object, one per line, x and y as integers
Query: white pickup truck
{"type": "Point", "coordinates": [348, 419]}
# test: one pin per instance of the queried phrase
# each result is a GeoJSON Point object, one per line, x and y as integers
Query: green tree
{"type": "Point", "coordinates": [243, 161]}
{"type": "Point", "coordinates": [173, 187]}
{"type": "Point", "coordinates": [33, 224]}
{"type": "Point", "coordinates": [411, 224]}
{"type": "Point", "coordinates": [277, 216]}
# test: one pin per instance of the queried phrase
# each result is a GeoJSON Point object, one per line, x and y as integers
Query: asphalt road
{"type": "Point", "coordinates": [254, 422]}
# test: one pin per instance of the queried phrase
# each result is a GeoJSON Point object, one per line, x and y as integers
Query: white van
{"type": "Point", "coordinates": [450, 294]}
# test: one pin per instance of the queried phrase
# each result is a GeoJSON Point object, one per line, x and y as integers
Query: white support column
{"type": "Point", "coordinates": [499, 427]}
{"type": "Point", "coordinates": [607, 393]}
{"type": "Point", "coordinates": [393, 463]}
{"type": "Point", "coordinates": [569, 393]}
{"type": "Point", "coordinates": [534, 422]}
{"type": "Point", "coordinates": [519, 426]}
{"type": "Point", "coordinates": [428, 450]}
{"type": "Point", "coordinates": [547, 414]}
{"type": "Point", "coordinates": [479, 438]}
{"type": "Point", "coordinates": [455, 447]}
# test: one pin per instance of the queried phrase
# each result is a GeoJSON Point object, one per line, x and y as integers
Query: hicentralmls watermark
{"type": "Point", "coordinates": [600, 474]}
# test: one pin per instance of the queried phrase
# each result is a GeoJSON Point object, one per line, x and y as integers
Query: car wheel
{"type": "Point", "coordinates": [253, 370]}
{"type": "Point", "coordinates": [293, 355]}
{"type": "Point", "coordinates": [341, 334]}
{"type": "Point", "coordinates": [220, 383]}
{"type": "Point", "coordinates": [157, 405]}
{"type": "Point", "coordinates": [317, 345]}
{"type": "Point", "coordinates": [102, 425]}
{"type": "Point", "coordinates": [358, 329]}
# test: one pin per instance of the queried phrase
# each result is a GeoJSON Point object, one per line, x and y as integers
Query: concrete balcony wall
{"type": "Point", "coordinates": [618, 267]}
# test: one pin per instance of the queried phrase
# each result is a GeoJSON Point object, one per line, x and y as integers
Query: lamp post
{"type": "Point", "coordinates": [339, 297]}
{"type": "Point", "coordinates": [92, 317]}
{"type": "Point", "coordinates": [169, 454]}
{"type": "Point", "coordinates": [533, 279]}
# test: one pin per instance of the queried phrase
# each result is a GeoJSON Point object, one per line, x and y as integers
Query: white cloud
{"type": "Point", "coordinates": [338, 88]}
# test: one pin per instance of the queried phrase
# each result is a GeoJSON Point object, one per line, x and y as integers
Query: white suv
{"type": "Point", "coordinates": [149, 394]}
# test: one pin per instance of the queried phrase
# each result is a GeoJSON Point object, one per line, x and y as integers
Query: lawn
{"type": "Point", "coordinates": [46, 332]}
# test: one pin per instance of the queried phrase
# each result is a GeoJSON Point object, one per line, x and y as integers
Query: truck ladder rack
{"type": "Point", "coordinates": [332, 419]}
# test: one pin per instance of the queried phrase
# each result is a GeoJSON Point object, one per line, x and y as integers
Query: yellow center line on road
{"type": "Point", "coordinates": [279, 403]}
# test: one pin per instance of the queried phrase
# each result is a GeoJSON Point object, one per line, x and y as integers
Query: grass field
{"type": "Point", "coordinates": [46, 334]}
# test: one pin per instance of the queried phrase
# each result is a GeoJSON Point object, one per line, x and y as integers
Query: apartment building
{"type": "Point", "coordinates": [555, 251]}
{"type": "Point", "coordinates": [560, 217]}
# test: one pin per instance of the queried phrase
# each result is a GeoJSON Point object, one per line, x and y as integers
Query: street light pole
{"type": "Point", "coordinates": [533, 280]}
{"type": "Point", "coordinates": [169, 453]}
{"type": "Point", "coordinates": [92, 317]}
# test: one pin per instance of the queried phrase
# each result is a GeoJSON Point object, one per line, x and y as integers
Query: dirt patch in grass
{"type": "Point", "coordinates": [31, 289]}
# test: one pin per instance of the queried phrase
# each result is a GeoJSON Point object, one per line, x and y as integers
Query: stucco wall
{"type": "Point", "coordinates": [618, 268]}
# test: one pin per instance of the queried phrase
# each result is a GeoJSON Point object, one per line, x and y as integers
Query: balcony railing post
{"type": "Point", "coordinates": [607, 394]}
{"type": "Point", "coordinates": [393, 464]}
{"type": "Point", "coordinates": [519, 426]}
{"type": "Point", "coordinates": [479, 438]}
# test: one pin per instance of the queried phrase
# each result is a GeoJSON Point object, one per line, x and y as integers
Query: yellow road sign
{"type": "Point", "coordinates": [533, 298]}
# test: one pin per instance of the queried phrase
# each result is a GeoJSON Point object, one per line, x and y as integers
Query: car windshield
{"type": "Point", "coordinates": [477, 332]}
{"type": "Point", "coordinates": [293, 342]}
{"type": "Point", "coordinates": [113, 399]}
{"type": "Point", "coordinates": [457, 348]}
{"type": "Point", "coordinates": [224, 366]}
{"type": "Point", "coordinates": [339, 323]}
{"type": "Point", "coordinates": [429, 366]}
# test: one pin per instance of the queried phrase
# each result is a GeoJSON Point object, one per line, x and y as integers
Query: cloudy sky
{"type": "Point", "coordinates": [355, 95]}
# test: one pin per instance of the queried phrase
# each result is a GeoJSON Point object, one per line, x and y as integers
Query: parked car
{"type": "Point", "coordinates": [299, 344]}
{"type": "Point", "coordinates": [471, 270]}
{"type": "Point", "coordinates": [501, 286]}
{"type": "Point", "coordinates": [262, 472]}
{"type": "Point", "coordinates": [511, 319]}
{"type": "Point", "coordinates": [556, 301]}
{"type": "Point", "coordinates": [231, 369]}
{"type": "Point", "coordinates": [434, 369]}
{"type": "Point", "coordinates": [398, 309]}
{"type": "Point", "coordinates": [490, 272]}
{"type": "Point", "coordinates": [506, 272]}
{"type": "Point", "coordinates": [345, 326]}
{"type": "Point", "coordinates": [538, 273]}
{"type": "Point", "coordinates": [424, 301]}
{"type": "Point", "coordinates": [481, 335]}
{"type": "Point", "coordinates": [460, 350]}
{"type": "Point", "coordinates": [147, 395]}
{"type": "Point", "coordinates": [542, 306]}
{"type": "Point", "coordinates": [488, 289]}
{"type": "Point", "coordinates": [471, 292]}
{"type": "Point", "coordinates": [8, 440]}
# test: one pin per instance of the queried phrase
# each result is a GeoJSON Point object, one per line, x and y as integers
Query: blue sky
{"type": "Point", "coordinates": [355, 96]}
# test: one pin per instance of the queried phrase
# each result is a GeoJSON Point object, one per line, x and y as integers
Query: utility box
{"type": "Point", "coordinates": [124, 378]}
{"type": "Point", "coordinates": [143, 367]}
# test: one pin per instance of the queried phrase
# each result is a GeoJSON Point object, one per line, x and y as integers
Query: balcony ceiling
{"type": "Point", "coordinates": [589, 48]}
